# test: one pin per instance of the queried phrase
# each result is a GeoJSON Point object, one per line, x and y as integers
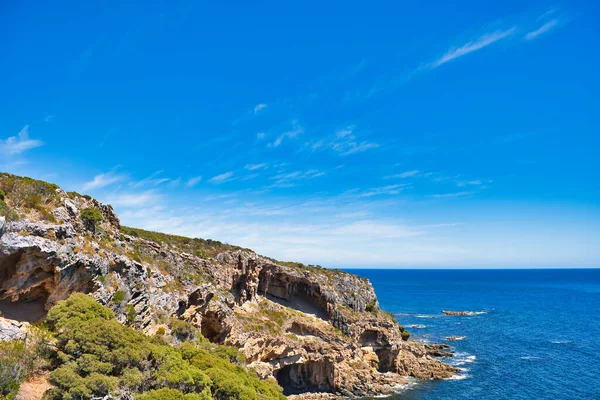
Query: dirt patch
{"type": "Point", "coordinates": [34, 388]}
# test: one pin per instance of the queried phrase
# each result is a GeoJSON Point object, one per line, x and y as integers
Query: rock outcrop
{"type": "Point", "coordinates": [312, 329]}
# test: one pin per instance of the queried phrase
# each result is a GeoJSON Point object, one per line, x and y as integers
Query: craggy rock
{"type": "Point", "coordinates": [13, 330]}
{"type": "Point", "coordinates": [313, 329]}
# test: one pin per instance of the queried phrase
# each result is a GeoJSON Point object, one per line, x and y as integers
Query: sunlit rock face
{"type": "Point", "coordinates": [312, 329]}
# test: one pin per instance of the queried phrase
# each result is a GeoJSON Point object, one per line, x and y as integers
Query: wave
{"type": "Point", "coordinates": [458, 377]}
{"type": "Point", "coordinates": [418, 326]}
{"type": "Point", "coordinates": [462, 359]}
{"type": "Point", "coordinates": [425, 316]}
{"type": "Point", "coordinates": [530, 358]}
{"type": "Point", "coordinates": [455, 338]}
{"type": "Point", "coordinates": [561, 341]}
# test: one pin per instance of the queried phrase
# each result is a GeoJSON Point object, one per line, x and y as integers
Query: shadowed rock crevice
{"type": "Point", "coordinates": [211, 327]}
{"type": "Point", "coordinates": [293, 293]}
{"type": "Point", "coordinates": [312, 376]}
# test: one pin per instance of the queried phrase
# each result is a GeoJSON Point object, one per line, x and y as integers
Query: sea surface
{"type": "Point", "coordinates": [537, 336]}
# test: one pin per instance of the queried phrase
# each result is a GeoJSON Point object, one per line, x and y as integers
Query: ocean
{"type": "Point", "coordinates": [537, 335]}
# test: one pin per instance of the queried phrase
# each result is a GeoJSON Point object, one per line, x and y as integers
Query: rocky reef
{"type": "Point", "coordinates": [314, 330]}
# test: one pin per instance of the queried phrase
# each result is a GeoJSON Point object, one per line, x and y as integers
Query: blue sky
{"type": "Point", "coordinates": [396, 134]}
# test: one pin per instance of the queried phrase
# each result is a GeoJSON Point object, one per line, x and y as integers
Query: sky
{"type": "Point", "coordinates": [345, 134]}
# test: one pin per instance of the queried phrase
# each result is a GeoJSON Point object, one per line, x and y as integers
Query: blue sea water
{"type": "Point", "coordinates": [538, 338]}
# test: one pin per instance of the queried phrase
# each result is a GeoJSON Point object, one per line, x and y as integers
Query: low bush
{"type": "Point", "coordinates": [405, 335]}
{"type": "Point", "coordinates": [97, 355]}
{"type": "Point", "coordinates": [91, 216]}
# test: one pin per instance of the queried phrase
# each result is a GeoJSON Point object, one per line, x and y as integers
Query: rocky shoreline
{"type": "Point", "coordinates": [311, 329]}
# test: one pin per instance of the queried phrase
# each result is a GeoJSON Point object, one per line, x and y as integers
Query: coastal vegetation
{"type": "Point", "coordinates": [91, 354]}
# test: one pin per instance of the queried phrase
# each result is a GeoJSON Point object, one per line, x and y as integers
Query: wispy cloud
{"type": "Point", "coordinates": [475, 182]}
{"type": "Point", "coordinates": [152, 180]}
{"type": "Point", "coordinates": [15, 145]}
{"type": "Point", "coordinates": [344, 142]}
{"type": "Point", "coordinates": [221, 178]}
{"type": "Point", "coordinates": [193, 181]}
{"type": "Point", "coordinates": [259, 107]}
{"type": "Point", "coordinates": [103, 180]}
{"type": "Point", "coordinates": [261, 135]}
{"type": "Point", "coordinates": [48, 118]}
{"type": "Point", "coordinates": [383, 190]}
{"type": "Point", "coordinates": [451, 195]}
{"type": "Point", "coordinates": [406, 174]}
{"type": "Point", "coordinates": [254, 167]}
{"type": "Point", "coordinates": [471, 46]}
{"type": "Point", "coordinates": [547, 27]}
{"type": "Point", "coordinates": [289, 135]}
{"type": "Point", "coordinates": [133, 199]}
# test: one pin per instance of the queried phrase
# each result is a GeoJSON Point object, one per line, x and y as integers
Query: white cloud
{"type": "Point", "coordinates": [261, 135]}
{"type": "Point", "coordinates": [547, 27]}
{"type": "Point", "coordinates": [473, 45]}
{"type": "Point", "coordinates": [475, 182]}
{"type": "Point", "coordinates": [254, 167]}
{"type": "Point", "coordinates": [344, 142]}
{"type": "Point", "coordinates": [15, 145]}
{"type": "Point", "coordinates": [102, 180]}
{"type": "Point", "coordinates": [289, 179]}
{"type": "Point", "coordinates": [227, 176]}
{"type": "Point", "coordinates": [127, 200]}
{"type": "Point", "coordinates": [451, 195]}
{"type": "Point", "coordinates": [383, 190]}
{"type": "Point", "coordinates": [151, 180]}
{"type": "Point", "coordinates": [259, 107]}
{"type": "Point", "coordinates": [193, 181]}
{"type": "Point", "coordinates": [289, 134]}
{"type": "Point", "coordinates": [406, 174]}
{"type": "Point", "coordinates": [48, 118]}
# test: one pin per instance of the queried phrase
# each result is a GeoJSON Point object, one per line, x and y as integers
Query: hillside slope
{"type": "Point", "coordinates": [312, 329]}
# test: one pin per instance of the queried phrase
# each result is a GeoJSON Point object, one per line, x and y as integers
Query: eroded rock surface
{"type": "Point", "coordinates": [312, 329]}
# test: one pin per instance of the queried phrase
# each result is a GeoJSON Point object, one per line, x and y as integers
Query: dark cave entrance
{"type": "Point", "coordinates": [311, 376]}
{"type": "Point", "coordinates": [292, 292]}
{"type": "Point", "coordinates": [212, 328]}
{"type": "Point", "coordinates": [30, 306]}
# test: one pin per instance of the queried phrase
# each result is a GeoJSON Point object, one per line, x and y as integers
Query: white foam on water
{"type": "Point", "coordinates": [561, 341]}
{"type": "Point", "coordinates": [455, 338]}
{"type": "Point", "coordinates": [530, 358]}
{"type": "Point", "coordinates": [418, 326]}
{"type": "Point", "coordinates": [462, 359]}
{"type": "Point", "coordinates": [458, 377]}
{"type": "Point", "coordinates": [425, 316]}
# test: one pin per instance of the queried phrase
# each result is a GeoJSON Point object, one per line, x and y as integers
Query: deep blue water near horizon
{"type": "Point", "coordinates": [538, 338]}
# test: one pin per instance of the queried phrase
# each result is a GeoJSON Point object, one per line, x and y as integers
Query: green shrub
{"type": "Point", "coordinates": [405, 335]}
{"type": "Point", "coordinates": [96, 355]}
{"type": "Point", "coordinates": [172, 394]}
{"type": "Point", "coordinates": [119, 296]}
{"type": "Point", "coordinates": [91, 216]}
{"type": "Point", "coordinates": [182, 330]}
{"type": "Point", "coordinates": [2, 195]}
{"type": "Point", "coordinates": [131, 314]}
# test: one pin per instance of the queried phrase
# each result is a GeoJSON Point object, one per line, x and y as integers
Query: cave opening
{"type": "Point", "coordinates": [386, 359]}
{"type": "Point", "coordinates": [211, 328]}
{"type": "Point", "coordinates": [368, 338]}
{"type": "Point", "coordinates": [30, 307]}
{"type": "Point", "coordinates": [298, 295]}
{"type": "Point", "coordinates": [311, 377]}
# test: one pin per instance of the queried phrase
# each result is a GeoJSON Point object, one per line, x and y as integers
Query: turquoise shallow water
{"type": "Point", "coordinates": [538, 338]}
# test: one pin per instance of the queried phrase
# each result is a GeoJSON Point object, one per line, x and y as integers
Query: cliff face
{"type": "Point", "coordinates": [314, 330]}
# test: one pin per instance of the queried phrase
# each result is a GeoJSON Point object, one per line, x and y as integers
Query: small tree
{"type": "Point", "coordinates": [2, 195]}
{"type": "Point", "coordinates": [91, 216]}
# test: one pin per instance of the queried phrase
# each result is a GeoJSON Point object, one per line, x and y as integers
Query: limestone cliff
{"type": "Point", "coordinates": [313, 329]}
